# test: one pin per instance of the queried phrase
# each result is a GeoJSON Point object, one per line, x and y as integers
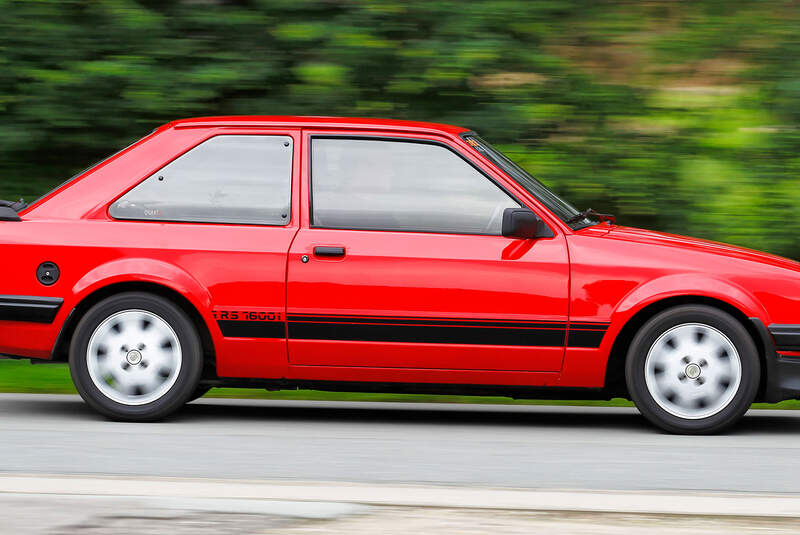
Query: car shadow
{"type": "Point", "coordinates": [46, 405]}
{"type": "Point", "coordinates": [754, 422]}
{"type": "Point", "coordinates": [446, 414]}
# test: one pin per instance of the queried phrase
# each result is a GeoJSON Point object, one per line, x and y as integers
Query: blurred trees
{"type": "Point", "coordinates": [679, 116]}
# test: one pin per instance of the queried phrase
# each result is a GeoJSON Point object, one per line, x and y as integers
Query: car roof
{"type": "Point", "coordinates": [316, 122]}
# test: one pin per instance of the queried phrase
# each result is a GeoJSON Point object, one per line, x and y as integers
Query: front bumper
{"type": "Point", "coordinates": [783, 371]}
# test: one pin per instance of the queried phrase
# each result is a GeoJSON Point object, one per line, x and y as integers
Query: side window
{"type": "Point", "coordinates": [226, 179]}
{"type": "Point", "coordinates": [404, 186]}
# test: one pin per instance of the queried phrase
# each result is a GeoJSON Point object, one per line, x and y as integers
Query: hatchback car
{"type": "Point", "coordinates": [378, 255]}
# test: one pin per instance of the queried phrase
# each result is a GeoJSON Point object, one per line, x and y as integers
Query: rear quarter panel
{"type": "Point", "coordinates": [209, 264]}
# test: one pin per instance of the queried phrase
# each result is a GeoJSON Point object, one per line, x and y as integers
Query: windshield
{"type": "Point", "coordinates": [561, 208]}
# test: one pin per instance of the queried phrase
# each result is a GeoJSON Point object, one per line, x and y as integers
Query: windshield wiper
{"type": "Point", "coordinates": [589, 212]}
{"type": "Point", "coordinates": [14, 205]}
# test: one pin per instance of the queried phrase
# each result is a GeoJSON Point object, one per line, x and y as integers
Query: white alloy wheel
{"type": "Point", "coordinates": [134, 357]}
{"type": "Point", "coordinates": [693, 371]}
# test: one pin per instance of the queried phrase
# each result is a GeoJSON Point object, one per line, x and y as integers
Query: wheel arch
{"type": "Point", "coordinates": [61, 348]}
{"type": "Point", "coordinates": [614, 381]}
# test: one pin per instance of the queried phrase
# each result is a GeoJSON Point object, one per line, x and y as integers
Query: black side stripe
{"type": "Point", "coordinates": [580, 338]}
{"type": "Point", "coordinates": [422, 330]}
{"type": "Point", "coordinates": [252, 329]}
{"type": "Point", "coordinates": [589, 326]}
{"type": "Point", "coordinates": [426, 321]}
{"type": "Point", "coordinates": [430, 334]}
{"type": "Point", "coordinates": [29, 308]}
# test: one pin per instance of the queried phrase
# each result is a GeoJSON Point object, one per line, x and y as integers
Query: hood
{"type": "Point", "coordinates": [698, 245]}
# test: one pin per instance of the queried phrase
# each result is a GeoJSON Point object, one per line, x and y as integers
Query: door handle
{"type": "Point", "coordinates": [329, 251]}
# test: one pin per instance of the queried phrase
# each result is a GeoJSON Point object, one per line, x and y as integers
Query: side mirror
{"type": "Point", "coordinates": [524, 224]}
{"type": "Point", "coordinates": [8, 214]}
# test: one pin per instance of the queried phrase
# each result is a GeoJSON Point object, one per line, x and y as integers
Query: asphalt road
{"type": "Point", "coordinates": [489, 446]}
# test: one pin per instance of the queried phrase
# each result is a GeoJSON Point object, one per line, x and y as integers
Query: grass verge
{"type": "Point", "coordinates": [19, 376]}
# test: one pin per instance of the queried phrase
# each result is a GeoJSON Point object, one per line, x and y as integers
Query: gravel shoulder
{"type": "Point", "coordinates": [39, 505]}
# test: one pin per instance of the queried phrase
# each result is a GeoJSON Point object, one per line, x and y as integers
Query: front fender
{"type": "Point", "coordinates": [683, 285]}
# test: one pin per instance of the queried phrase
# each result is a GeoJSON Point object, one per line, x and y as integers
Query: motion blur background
{"type": "Point", "coordinates": [677, 116]}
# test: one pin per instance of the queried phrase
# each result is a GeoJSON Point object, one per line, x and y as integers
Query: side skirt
{"type": "Point", "coordinates": [516, 392]}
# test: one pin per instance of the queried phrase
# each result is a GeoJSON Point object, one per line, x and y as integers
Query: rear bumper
{"type": "Point", "coordinates": [783, 372]}
{"type": "Point", "coordinates": [32, 309]}
{"type": "Point", "coordinates": [28, 327]}
{"type": "Point", "coordinates": [787, 337]}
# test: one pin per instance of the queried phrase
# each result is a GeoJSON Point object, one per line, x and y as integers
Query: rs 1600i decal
{"type": "Point", "coordinates": [250, 323]}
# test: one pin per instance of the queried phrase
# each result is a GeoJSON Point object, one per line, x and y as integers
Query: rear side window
{"type": "Point", "coordinates": [401, 186]}
{"type": "Point", "coordinates": [226, 179]}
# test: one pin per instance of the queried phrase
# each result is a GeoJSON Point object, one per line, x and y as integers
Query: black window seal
{"type": "Point", "coordinates": [367, 137]}
{"type": "Point", "coordinates": [473, 133]}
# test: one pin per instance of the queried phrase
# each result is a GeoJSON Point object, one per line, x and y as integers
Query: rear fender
{"type": "Point", "coordinates": [144, 270]}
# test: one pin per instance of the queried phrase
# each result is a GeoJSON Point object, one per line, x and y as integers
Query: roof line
{"type": "Point", "coordinates": [347, 123]}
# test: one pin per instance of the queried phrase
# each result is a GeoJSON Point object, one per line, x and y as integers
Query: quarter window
{"type": "Point", "coordinates": [227, 179]}
{"type": "Point", "coordinates": [402, 186]}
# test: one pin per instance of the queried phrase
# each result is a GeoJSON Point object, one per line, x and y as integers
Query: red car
{"type": "Point", "coordinates": [378, 255]}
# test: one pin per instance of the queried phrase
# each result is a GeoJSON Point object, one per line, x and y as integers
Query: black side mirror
{"type": "Point", "coordinates": [524, 224]}
{"type": "Point", "coordinates": [8, 214]}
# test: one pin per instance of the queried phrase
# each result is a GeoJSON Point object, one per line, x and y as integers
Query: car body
{"type": "Point", "coordinates": [338, 291]}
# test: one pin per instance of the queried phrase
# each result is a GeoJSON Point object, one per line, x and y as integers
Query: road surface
{"type": "Point", "coordinates": [533, 447]}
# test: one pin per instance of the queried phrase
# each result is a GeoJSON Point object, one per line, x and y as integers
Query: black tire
{"type": "Point", "coordinates": [719, 320]}
{"type": "Point", "coordinates": [199, 392]}
{"type": "Point", "coordinates": [191, 358]}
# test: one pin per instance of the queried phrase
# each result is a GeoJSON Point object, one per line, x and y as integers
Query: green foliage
{"type": "Point", "coordinates": [680, 116]}
{"type": "Point", "coordinates": [19, 376]}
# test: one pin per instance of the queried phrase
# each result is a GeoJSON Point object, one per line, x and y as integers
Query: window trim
{"type": "Point", "coordinates": [292, 172]}
{"type": "Point", "coordinates": [471, 133]}
{"type": "Point", "coordinates": [368, 137]}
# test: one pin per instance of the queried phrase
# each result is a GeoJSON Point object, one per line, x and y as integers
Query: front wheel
{"type": "Point", "coordinates": [693, 369]}
{"type": "Point", "coordinates": [135, 357]}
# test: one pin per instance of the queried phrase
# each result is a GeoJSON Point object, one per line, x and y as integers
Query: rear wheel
{"type": "Point", "coordinates": [199, 392]}
{"type": "Point", "coordinates": [136, 357]}
{"type": "Point", "coordinates": [693, 369]}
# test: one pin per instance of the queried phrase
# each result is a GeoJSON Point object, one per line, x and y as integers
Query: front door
{"type": "Point", "coordinates": [403, 265]}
